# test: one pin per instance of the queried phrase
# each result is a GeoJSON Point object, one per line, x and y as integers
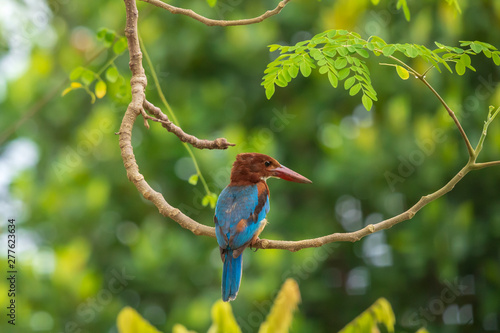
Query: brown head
{"type": "Point", "coordinates": [251, 168]}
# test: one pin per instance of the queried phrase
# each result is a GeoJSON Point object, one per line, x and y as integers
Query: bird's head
{"type": "Point", "coordinates": [254, 167]}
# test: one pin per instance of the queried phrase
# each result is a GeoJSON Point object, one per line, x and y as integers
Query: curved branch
{"type": "Point", "coordinates": [222, 23]}
{"type": "Point", "coordinates": [220, 143]}
{"type": "Point", "coordinates": [138, 83]}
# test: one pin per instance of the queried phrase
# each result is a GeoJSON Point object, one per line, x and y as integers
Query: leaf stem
{"type": "Point", "coordinates": [172, 115]}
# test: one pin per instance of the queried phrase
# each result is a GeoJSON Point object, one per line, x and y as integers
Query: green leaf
{"type": "Point", "coordinates": [402, 72]}
{"type": "Point", "coordinates": [379, 42]}
{"type": "Point", "coordinates": [109, 38]}
{"type": "Point", "coordinates": [101, 33]}
{"type": "Point", "coordinates": [367, 102]}
{"type": "Point", "coordinates": [323, 69]}
{"type": "Point", "coordinates": [362, 52]}
{"type": "Point", "coordinates": [305, 69]}
{"type": "Point", "coordinates": [100, 89]}
{"type": "Point", "coordinates": [355, 89]}
{"type": "Point", "coordinates": [316, 54]}
{"type": "Point", "coordinates": [112, 74]}
{"type": "Point", "coordinates": [193, 180]}
{"type": "Point", "coordinates": [340, 62]}
{"type": "Point", "coordinates": [212, 3]}
{"type": "Point", "coordinates": [129, 321]}
{"type": "Point", "coordinates": [270, 91]}
{"type": "Point", "coordinates": [333, 79]}
{"type": "Point", "coordinates": [120, 45]}
{"type": "Point", "coordinates": [293, 71]}
{"type": "Point", "coordinates": [388, 50]}
{"type": "Point", "coordinates": [87, 76]}
{"type": "Point", "coordinates": [476, 47]}
{"type": "Point", "coordinates": [406, 11]}
{"type": "Point", "coordinates": [459, 68]}
{"type": "Point", "coordinates": [465, 59]}
{"type": "Point", "coordinates": [343, 73]}
{"type": "Point", "coordinates": [349, 82]}
{"type": "Point", "coordinates": [273, 47]}
{"type": "Point", "coordinates": [76, 73]}
{"type": "Point", "coordinates": [496, 58]}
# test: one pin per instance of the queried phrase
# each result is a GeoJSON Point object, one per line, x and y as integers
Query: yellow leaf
{"type": "Point", "coordinates": [223, 319]}
{"type": "Point", "coordinates": [281, 314]}
{"type": "Point", "coordinates": [380, 312]}
{"type": "Point", "coordinates": [178, 328]}
{"type": "Point", "coordinates": [65, 91]}
{"type": "Point", "coordinates": [75, 85]}
{"type": "Point", "coordinates": [402, 72]}
{"type": "Point", "coordinates": [129, 321]}
{"type": "Point", "coordinates": [100, 89]}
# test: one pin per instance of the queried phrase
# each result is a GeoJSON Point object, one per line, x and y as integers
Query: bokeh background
{"type": "Point", "coordinates": [88, 244]}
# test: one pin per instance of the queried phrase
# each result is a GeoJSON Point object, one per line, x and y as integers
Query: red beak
{"type": "Point", "coordinates": [284, 173]}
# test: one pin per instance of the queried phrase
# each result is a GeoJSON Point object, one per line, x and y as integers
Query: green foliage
{"type": "Point", "coordinates": [379, 313]}
{"type": "Point", "coordinates": [82, 77]}
{"type": "Point", "coordinates": [406, 11]}
{"type": "Point", "coordinates": [340, 54]}
{"type": "Point", "coordinates": [212, 3]}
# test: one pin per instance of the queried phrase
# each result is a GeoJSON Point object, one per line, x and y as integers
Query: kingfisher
{"type": "Point", "coordinates": [241, 210]}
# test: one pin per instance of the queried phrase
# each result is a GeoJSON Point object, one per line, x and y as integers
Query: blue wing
{"type": "Point", "coordinates": [239, 213]}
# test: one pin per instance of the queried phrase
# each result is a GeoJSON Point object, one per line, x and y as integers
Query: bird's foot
{"type": "Point", "coordinates": [254, 241]}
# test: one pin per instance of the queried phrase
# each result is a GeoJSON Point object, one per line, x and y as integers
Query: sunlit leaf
{"type": "Point", "coordinates": [333, 79]}
{"type": "Point", "coordinates": [281, 314]}
{"type": "Point", "coordinates": [379, 313]}
{"type": "Point", "coordinates": [100, 89]}
{"type": "Point", "coordinates": [87, 77]}
{"type": "Point", "coordinates": [223, 320]}
{"type": "Point", "coordinates": [459, 68]}
{"type": "Point", "coordinates": [402, 72]}
{"type": "Point", "coordinates": [355, 89]}
{"type": "Point", "coordinates": [178, 328]}
{"type": "Point", "coordinates": [120, 46]}
{"type": "Point", "coordinates": [305, 69]}
{"type": "Point", "coordinates": [112, 74]}
{"type": "Point", "coordinates": [76, 73]}
{"type": "Point", "coordinates": [367, 102]}
{"type": "Point", "coordinates": [212, 3]}
{"type": "Point", "coordinates": [349, 82]}
{"type": "Point", "coordinates": [129, 321]}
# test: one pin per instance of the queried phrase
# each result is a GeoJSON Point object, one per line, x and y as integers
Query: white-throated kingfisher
{"type": "Point", "coordinates": [240, 212]}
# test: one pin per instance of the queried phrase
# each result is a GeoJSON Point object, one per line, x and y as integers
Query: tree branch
{"type": "Point", "coordinates": [470, 150]}
{"type": "Point", "coordinates": [222, 23]}
{"type": "Point", "coordinates": [138, 83]}
{"type": "Point", "coordinates": [220, 143]}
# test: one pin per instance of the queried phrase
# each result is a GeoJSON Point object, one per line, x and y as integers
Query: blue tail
{"type": "Point", "coordinates": [231, 276]}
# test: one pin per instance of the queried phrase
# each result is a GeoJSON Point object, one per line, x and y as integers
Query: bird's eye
{"type": "Point", "coordinates": [267, 163]}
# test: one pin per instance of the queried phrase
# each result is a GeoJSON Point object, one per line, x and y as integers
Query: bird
{"type": "Point", "coordinates": [241, 210]}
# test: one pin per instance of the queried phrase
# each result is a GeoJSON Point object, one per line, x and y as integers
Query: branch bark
{"type": "Point", "coordinates": [220, 143]}
{"type": "Point", "coordinates": [222, 23]}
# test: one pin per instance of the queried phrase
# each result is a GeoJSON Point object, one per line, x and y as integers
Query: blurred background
{"type": "Point", "coordinates": [88, 244]}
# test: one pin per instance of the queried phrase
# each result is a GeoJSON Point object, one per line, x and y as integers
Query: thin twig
{"type": "Point", "coordinates": [222, 23]}
{"type": "Point", "coordinates": [470, 150]}
{"type": "Point", "coordinates": [220, 143]}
